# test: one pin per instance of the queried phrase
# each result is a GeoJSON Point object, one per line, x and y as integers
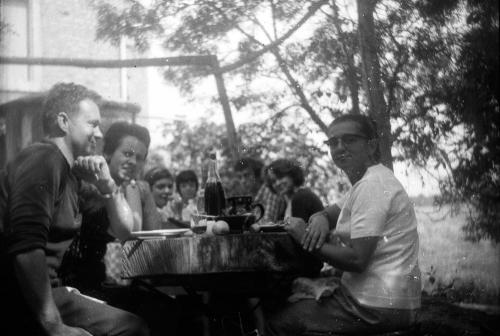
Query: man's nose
{"type": "Point", "coordinates": [98, 133]}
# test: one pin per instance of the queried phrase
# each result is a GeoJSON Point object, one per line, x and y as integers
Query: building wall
{"type": "Point", "coordinates": [68, 30]}
{"type": "Point", "coordinates": [64, 29]}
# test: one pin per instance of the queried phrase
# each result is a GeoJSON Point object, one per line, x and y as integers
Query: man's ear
{"type": "Point", "coordinates": [63, 122]}
{"type": "Point", "coordinates": [372, 147]}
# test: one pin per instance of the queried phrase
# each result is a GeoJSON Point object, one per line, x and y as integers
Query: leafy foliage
{"type": "Point", "coordinates": [439, 63]}
{"type": "Point", "coordinates": [266, 141]}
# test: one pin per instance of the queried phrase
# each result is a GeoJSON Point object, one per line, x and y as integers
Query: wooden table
{"type": "Point", "coordinates": [208, 262]}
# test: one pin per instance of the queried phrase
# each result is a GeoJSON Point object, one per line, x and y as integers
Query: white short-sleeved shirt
{"type": "Point", "coordinates": [378, 205]}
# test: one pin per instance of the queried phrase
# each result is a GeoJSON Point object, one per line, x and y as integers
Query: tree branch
{"type": "Point", "coordinates": [312, 10]}
{"type": "Point", "coordinates": [295, 87]}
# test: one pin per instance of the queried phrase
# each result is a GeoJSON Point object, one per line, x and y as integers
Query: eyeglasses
{"type": "Point", "coordinates": [346, 139]}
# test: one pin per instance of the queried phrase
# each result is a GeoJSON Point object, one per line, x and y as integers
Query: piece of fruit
{"type": "Point", "coordinates": [254, 227]}
{"type": "Point", "coordinates": [220, 227]}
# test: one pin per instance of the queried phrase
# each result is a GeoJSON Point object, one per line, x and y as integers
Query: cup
{"type": "Point", "coordinates": [200, 222]}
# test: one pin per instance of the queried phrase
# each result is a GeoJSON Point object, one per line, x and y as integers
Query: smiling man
{"type": "Point", "coordinates": [40, 216]}
{"type": "Point", "coordinates": [374, 241]}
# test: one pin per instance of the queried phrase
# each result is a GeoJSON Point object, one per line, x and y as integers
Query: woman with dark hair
{"type": "Point", "coordinates": [285, 177]}
{"type": "Point", "coordinates": [125, 149]}
{"type": "Point", "coordinates": [93, 261]}
{"type": "Point", "coordinates": [374, 242]}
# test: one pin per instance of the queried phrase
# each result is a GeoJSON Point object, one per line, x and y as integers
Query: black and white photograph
{"type": "Point", "coordinates": [249, 167]}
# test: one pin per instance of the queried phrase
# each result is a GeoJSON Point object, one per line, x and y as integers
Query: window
{"type": "Point", "coordinates": [16, 40]}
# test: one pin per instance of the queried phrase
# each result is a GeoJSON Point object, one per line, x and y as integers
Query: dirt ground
{"type": "Point", "coordinates": [441, 318]}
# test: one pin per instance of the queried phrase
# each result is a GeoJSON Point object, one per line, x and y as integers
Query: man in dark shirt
{"type": "Point", "coordinates": [39, 217]}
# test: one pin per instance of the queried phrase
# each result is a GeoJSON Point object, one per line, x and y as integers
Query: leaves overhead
{"type": "Point", "coordinates": [439, 63]}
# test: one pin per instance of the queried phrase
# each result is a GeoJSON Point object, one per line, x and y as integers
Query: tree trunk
{"type": "Point", "coordinates": [349, 68]}
{"type": "Point", "coordinates": [368, 42]}
{"type": "Point", "coordinates": [233, 142]}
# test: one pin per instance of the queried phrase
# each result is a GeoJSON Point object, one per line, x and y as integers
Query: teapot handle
{"type": "Point", "coordinates": [261, 207]}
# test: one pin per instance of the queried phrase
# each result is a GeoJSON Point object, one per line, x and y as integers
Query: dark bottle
{"type": "Point", "coordinates": [215, 198]}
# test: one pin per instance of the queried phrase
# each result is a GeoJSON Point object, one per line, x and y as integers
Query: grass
{"type": "Point", "coordinates": [452, 267]}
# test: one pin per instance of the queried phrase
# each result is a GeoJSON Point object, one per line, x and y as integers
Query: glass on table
{"type": "Point", "coordinates": [200, 223]}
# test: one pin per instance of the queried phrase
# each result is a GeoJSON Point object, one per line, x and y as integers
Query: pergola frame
{"type": "Point", "coordinates": [205, 60]}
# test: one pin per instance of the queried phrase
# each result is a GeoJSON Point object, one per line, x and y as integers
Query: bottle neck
{"type": "Point", "coordinates": [213, 175]}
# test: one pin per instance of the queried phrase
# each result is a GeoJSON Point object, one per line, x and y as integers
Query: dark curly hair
{"type": "Point", "coordinates": [118, 130]}
{"type": "Point", "coordinates": [285, 167]}
{"type": "Point", "coordinates": [64, 97]}
{"type": "Point", "coordinates": [186, 176]}
{"type": "Point", "coordinates": [367, 125]}
{"type": "Point", "coordinates": [156, 173]}
{"type": "Point", "coordinates": [250, 163]}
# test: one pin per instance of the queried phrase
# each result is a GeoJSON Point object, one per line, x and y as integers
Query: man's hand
{"type": "Point", "coordinates": [94, 169]}
{"type": "Point", "coordinates": [296, 227]}
{"type": "Point", "coordinates": [317, 232]}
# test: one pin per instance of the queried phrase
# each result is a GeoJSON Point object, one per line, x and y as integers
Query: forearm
{"type": "Point", "coordinates": [332, 213]}
{"type": "Point", "coordinates": [340, 256]}
{"type": "Point", "coordinates": [121, 219]}
{"type": "Point", "coordinates": [31, 273]}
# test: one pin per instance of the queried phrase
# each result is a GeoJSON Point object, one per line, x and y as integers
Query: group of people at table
{"type": "Point", "coordinates": [61, 204]}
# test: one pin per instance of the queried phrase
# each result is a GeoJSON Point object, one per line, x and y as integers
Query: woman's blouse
{"type": "Point", "coordinates": [378, 206]}
{"type": "Point", "coordinates": [83, 262]}
{"type": "Point", "coordinates": [303, 204]}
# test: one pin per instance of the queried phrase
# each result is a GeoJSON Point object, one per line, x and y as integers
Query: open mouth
{"type": "Point", "coordinates": [128, 171]}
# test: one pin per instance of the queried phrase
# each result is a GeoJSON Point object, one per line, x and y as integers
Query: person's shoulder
{"type": "Point", "coordinates": [40, 158]}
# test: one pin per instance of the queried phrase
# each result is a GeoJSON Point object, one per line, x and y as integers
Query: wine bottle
{"type": "Point", "coordinates": [215, 197]}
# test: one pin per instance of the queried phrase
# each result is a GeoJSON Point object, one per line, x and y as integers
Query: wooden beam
{"type": "Point", "coordinates": [205, 60]}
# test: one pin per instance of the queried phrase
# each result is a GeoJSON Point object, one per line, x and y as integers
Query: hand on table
{"type": "Point", "coordinates": [316, 233]}
{"type": "Point", "coordinates": [296, 227]}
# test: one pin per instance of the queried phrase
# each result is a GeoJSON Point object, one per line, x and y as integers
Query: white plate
{"type": "Point", "coordinates": [159, 233]}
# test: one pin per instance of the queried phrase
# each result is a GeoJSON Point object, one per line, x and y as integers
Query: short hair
{"type": "Point", "coordinates": [157, 173]}
{"type": "Point", "coordinates": [285, 167]}
{"type": "Point", "coordinates": [184, 177]}
{"type": "Point", "coordinates": [64, 97]}
{"type": "Point", "coordinates": [250, 163]}
{"type": "Point", "coordinates": [118, 130]}
{"type": "Point", "coordinates": [367, 125]}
